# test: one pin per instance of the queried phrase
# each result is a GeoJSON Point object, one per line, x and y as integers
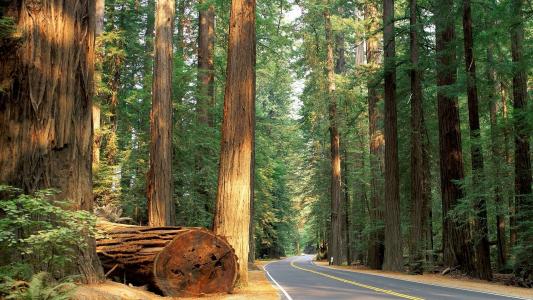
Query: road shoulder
{"type": "Point", "coordinates": [439, 280]}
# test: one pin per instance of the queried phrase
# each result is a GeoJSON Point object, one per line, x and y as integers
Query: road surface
{"type": "Point", "coordinates": [299, 278]}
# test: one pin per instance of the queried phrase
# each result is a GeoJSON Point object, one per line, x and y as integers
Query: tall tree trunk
{"type": "Point", "coordinates": [497, 161]}
{"type": "Point", "coordinates": [393, 244]}
{"type": "Point", "coordinates": [377, 142]}
{"type": "Point", "coordinates": [235, 177]}
{"type": "Point", "coordinates": [420, 196]}
{"type": "Point", "coordinates": [206, 66]}
{"type": "Point", "coordinates": [523, 194]}
{"type": "Point", "coordinates": [340, 68]}
{"type": "Point", "coordinates": [99, 17]}
{"type": "Point", "coordinates": [46, 106]}
{"type": "Point", "coordinates": [483, 267]}
{"type": "Point", "coordinates": [457, 244]}
{"type": "Point", "coordinates": [161, 206]}
{"type": "Point", "coordinates": [335, 247]}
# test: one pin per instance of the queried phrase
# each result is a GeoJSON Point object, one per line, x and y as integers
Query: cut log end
{"type": "Point", "coordinates": [195, 262]}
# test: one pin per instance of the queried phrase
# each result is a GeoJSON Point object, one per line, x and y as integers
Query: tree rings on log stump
{"type": "Point", "coordinates": [177, 261]}
{"type": "Point", "coordinates": [195, 262]}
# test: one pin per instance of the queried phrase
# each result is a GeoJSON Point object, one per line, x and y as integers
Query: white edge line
{"type": "Point", "coordinates": [278, 286]}
{"type": "Point", "coordinates": [421, 282]}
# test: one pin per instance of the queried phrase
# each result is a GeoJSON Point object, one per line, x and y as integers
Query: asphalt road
{"type": "Point", "coordinates": [299, 278]}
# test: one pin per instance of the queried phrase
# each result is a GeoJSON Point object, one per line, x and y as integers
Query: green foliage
{"type": "Point", "coordinates": [42, 286]}
{"type": "Point", "coordinates": [40, 233]}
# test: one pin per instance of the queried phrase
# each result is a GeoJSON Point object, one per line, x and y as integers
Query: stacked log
{"type": "Point", "coordinates": [177, 261]}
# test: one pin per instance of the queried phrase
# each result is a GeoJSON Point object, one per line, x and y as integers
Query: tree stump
{"type": "Point", "coordinates": [177, 261]}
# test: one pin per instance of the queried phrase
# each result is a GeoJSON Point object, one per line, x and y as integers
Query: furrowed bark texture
{"type": "Point", "coordinates": [178, 261]}
{"type": "Point", "coordinates": [232, 213]}
{"type": "Point", "coordinates": [483, 267]}
{"type": "Point", "coordinates": [377, 142]}
{"type": "Point", "coordinates": [523, 194]}
{"type": "Point", "coordinates": [457, 244]}
{"type": "Point", "coordinates": [393, 260]}
{"type": "Point", "coordinates": [46, 74]}
{"type": "Point", "coordinates": [161, 206]}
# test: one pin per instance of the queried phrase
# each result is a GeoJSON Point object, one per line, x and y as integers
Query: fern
{"type": "Point", "coordinates": [43, 287]}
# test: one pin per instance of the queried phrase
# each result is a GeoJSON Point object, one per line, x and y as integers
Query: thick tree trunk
{"type": "Point", "coordinates": [337, 222]}
{"type": "Point", "coordinates": [161, 206]}
{"type": "Point", "coordinates": [497, 161]}
{"type": "Point", "coordinates": [46, 105]}
{"type": "Point", "coordinates": [523, 194]}
{"type": "Point", "coordinates": [483, 266]}
{"type": "Point", "coordinates": [457, 243]}
{"type": "Point", "coordinates": [377, 142]}
{"type": "Point", "coordinates": [232, 213]}
{"type": "Point", "coordinates": [178, 261]}
{"type": "Point", "coordinates": [420, 196]}
{"type": "Point", "coordinates": [393, 260]}
{"type": "Point", "coordinates": [99, 17]}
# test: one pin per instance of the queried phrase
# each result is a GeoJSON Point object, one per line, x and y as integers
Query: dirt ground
{"type": "Point", "coordinates": [436, 279]}
{"type": "Point", "coordinates": [259, 288]}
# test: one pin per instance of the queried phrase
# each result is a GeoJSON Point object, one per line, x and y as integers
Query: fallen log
{"type": "Point", "coordinates": [177, 261]}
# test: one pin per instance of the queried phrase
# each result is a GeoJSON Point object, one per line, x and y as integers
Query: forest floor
{"type": "Point", "coordinates": [259, 288]}
{"type": "Point", "coordinates": [447, 281]}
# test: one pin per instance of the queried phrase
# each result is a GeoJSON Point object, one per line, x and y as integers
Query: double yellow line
{"type": "Point", "coordinates": [365, 286]}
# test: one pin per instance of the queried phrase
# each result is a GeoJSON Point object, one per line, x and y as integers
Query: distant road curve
{"type": "Point", "coordinates": [298, 278]}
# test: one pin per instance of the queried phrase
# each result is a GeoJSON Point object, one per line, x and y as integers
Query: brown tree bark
{"type": "Point", "coordinates": [337, 222]}
{"type": "Point", "coordinates": [483, 266]}
{"type": "Point", "coordinates": [232, 213]}
{"type": "Point", "coordinates": [523, 194]}
{"type": "Point", "coordinates": [497, 161]}
{"type": "Point", "coordinates": [161, 206]}
{"type": "Point", "coordinates": [457, 243]}
{"type": "Point", "coordinates": [178, 261]}
{"type": "Point", "coordinates": [377, 141]}
{"type": "Point", "coordinates": [393, 260]}
{"type": "Point", "coordinates": [206, 67]}
{"type": "Point", "coordinates": [46, 74]}
{"type": "Point", "coordinates": [420, 190]}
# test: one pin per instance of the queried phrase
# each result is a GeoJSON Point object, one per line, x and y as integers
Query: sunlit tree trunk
{"type": "Point", "coordinates": [483, 267]}
{"type": "Point", "coordinates": [46, 106]}
{"type": "Point", "coordinates": [377, 141]}
{"type": "Point", "coordinates": [232, 213]}
{"type": "Point", "coordinates": [161, 206]}
{"type": "Point", "coordinates": [335, 246]}
{"type": "Point", "coordinates": [457, 243]}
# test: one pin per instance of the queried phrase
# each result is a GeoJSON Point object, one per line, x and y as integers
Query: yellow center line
{"type": "Point", "coordinates": [365, 286]}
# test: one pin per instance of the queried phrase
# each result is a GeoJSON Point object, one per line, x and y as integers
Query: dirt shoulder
{"type": "Point", "coordinates": [436, 279]}
{"type": "Point", "coordinates": [259, 288]}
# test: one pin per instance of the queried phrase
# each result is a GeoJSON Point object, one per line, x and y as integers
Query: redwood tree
{"type": "Point", "coordinates": [337, 222]}
{"type": "Point", "coordinates": [235, 177]}
{"type": "Point", "coordinates": [375, 118]}
{"type": "Point", "coordinates": [483, 267]}
{"type": "Point", "coordinates": [420, 185]}
{"type": "Point", "coordinates": [523, 193]}
{"type": "Point", "coordinates": [46, 105]}
{"type": "Point", "coordinates": [457, 244]}
{"type": "Point", "coordinates": [393, 260]}
{"type": "Point", "coordinates": [161, 206]}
